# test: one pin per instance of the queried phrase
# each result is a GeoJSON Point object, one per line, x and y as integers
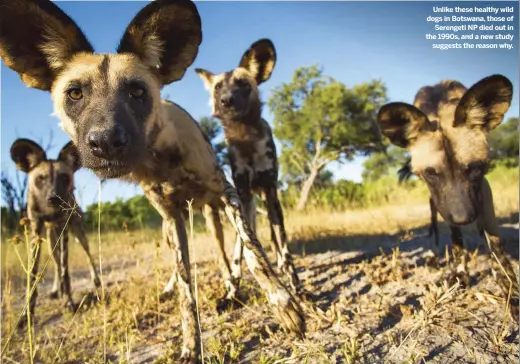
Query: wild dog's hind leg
{"type": "Point", "coordinates": [284, 306]}
{"type": "Point", "coordinates": [488, 221]}
{"type": "Point", "coordinates": [212, 216]}
{"type": "Point", "coordinates": [80, 237]}
{"type": "Point", "coordinates": [276, 221]}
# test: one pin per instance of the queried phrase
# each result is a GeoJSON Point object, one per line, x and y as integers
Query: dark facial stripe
{"type": "Point", "coordinates": [51, 172]}
{"type": "Point", "coordinates": [103, 67]}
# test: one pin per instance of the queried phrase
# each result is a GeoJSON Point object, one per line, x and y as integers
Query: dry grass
{"type": "Point", "coordinates": [371, 306]}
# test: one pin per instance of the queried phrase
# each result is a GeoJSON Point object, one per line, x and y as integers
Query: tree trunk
{"type": "Point", "coordinates": [306, 188]}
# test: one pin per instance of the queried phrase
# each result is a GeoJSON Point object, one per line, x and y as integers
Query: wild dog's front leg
{"type": "Point", "coordinates": [434, 227]}
{"type": "Point", "coordinates": [276, 221]}
{"type": "Point", "coordinates": [32, 287]}
{"type": "Point", "coordinates": [284, 306]}
{"type": "Point", "coordinates": [169, 289]}
{"type": "Point", "coordinates": [175, 231]}
{"type": "Point", "coordinates": [65, 274]}
{"type": "Point", "coordinates": [211, 214]}
{"type": "Point", "coordinates": [54, 252]}
{"type": "Point", "coordinates": [460, 268]}
{"type": "Point", "coordinates": [190, 326]}
{"type": "Point", "coordinates": [506, 275]}
{"type": "Point", "coordinates": [81, 237]}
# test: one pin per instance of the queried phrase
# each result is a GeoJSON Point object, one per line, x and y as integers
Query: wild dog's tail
{"type": "Point", "coordinates": [405, 172]}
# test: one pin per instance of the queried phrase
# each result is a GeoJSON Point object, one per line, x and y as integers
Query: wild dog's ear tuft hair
{"type": "Point", "coordinates": [27, 154]}
{"type": "Point", "coordinates": [37, 39]}
{"type": "Point", "coordinates": [259, 60]}
{"type": "Point", "coordinates": [206, 76]}
{"type": "Point", "coordinates": [485, 103]}
{"type": "Point", "coordinates": [165, 35]}
{"type": "Point", "coordinates": [69, 154]}
{"type": "Point", "coordinates": [402, 123]}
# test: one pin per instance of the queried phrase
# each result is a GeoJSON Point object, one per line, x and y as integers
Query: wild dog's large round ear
{"type": "Point", "coordinates": [206, 76]}
{"type": "Point", "coordinates": [165, 35]}
{"type": "Point", "coordinates": [70, 155]}
{"type": "Point", "coordinates": [27, 154]}
{"type": "Point", "coordinates": [485, 103]}
{"type": "Point", "coordinates": [37, 39]}
{"type": "Point", "coordinates": [259, 60]}
{"type": "Point", "coordinates": [402, 123]}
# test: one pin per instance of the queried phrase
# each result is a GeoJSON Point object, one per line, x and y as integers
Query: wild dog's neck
{"type": "Point", "coordinates": [162, 148]}
{"type": "Point", "coordinates": [249, 127]}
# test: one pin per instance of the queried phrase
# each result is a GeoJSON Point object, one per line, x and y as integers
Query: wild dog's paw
{"type": "Point", "coordinates": [54, 295]}
{"type": "Point", "coordinates": [188, 357]}
{"type": "Point", "coordinates": [71, 307]}
{"type": "Point", "coordinates": [290, 316]}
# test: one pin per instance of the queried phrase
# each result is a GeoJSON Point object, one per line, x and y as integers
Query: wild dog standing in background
{"type": "Point", "coordinates": [52, 211]}
{"type": "Point", "coordinates": [252, 153]}
{"type": "Point", "coordinates": [446, 135]}
{"type": "Point", "coordinates": [110, 105]}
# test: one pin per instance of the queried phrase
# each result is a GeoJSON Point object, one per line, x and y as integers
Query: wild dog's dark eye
{"type": "Point", "coordinates": [40, 179]}
{"type": "Point", "coordinates": [218, 86]}
{"type": "Point", "coordinates": [75, 94]}
{"type": "Point", "coordinates": [430, 173]}
{"type": "Point", "coordinates": [136, 92]}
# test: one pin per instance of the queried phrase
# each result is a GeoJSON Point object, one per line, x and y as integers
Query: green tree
{"type": "Point", "coordinates": [319, 120]}
{"type": "Point", "coordinates": [212, 128]}
{"type": "Point", "coordinates": [503, 141]}
{"type": "Point", "coordinates": [383, 163]}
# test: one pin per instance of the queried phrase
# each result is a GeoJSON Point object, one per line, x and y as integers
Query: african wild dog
{"type": "Point", "coordinates": [446, 135]}
{"type": "Point", "coordinates": [52, 211]}
{"type": "Point", "coordinates": [110, 106]}
{"type": "Point", "coordinates": [405, 173]}
{"type": "Point", "coordinates": [252, 153]}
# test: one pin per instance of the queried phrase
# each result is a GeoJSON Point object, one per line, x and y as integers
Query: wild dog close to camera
{"type": "Point", "coordinates": [110, 105]}
{"type": "Point", "coordinates": [252, 153]}
{"type": "Point", "coordinates": [446, 134]}
{"type": "Point", "coordinates": [52, 211]}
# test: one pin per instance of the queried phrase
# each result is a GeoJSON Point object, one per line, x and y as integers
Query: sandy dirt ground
{"type": "Point", "coordinates": [375, 299]}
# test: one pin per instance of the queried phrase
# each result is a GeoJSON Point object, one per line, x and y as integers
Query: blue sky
{"type": "Point", "coordinates": [353, 41]}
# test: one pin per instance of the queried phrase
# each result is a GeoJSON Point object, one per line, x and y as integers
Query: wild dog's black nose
{"type": "Point", "coordinates": [107, 143]}
{"type": "Point", "coordinates": [53, 200]}
{"type": "Point", "coordinates": [226, 100]}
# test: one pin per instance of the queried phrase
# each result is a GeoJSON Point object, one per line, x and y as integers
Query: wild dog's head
{"type": "Point", "coordinates": [446, 135]}
{"type": "Point", "coordinates": [51, 181]}
{"type": "Point", "coordinates": [107, 103]}
{"type": "Point", "coordinates": [234, 94]}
